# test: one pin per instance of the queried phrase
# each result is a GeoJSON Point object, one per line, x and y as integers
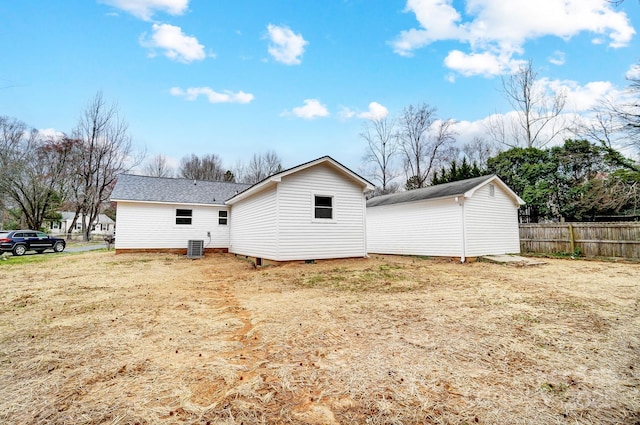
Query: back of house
{"type": "Point", "coordinates": [315, 210]}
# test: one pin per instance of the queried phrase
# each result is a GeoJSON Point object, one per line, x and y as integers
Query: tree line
{"type": "Point", "coordinates": [584, 177]}
{"type": "Point", "coordinates": [210, 167]}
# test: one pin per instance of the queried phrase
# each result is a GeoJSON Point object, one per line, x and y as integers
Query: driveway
{"type": "Point", "coordinates": [83, 248]}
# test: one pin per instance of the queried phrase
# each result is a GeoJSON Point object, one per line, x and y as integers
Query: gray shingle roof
{"type": "Point", "coordinates": [130, 187]}
{"type": "Point", "coordinates": [432, 192]}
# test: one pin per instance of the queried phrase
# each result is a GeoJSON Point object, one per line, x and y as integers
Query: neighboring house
{"type": "Point", "coordinates": [102, 226]}
{"type": "Point", "coordinates": [158, 213]}
{"type": "Point", "coordinates": [313, 211]}
{"type": "Point", "coordinates": [468, 218]}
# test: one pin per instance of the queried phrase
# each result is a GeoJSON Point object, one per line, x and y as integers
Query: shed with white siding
{"type": "Point", "coordinates": [316, 210]}
{"type": "Point", "coordinates": [467, 218]}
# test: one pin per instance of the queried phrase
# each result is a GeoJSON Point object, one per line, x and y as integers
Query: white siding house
{"type": "Point", "coordinates": [469, 218]}
{"type": "Point", "coordinates": [103, 225]}
{"type": "Point", "coordinates": [155, 213]}
{"type": "Point", "coordinates": [313, 211]}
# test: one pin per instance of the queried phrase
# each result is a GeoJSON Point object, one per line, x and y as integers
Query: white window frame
{"type": "Point", "coordinates": [333, 208]}
{"type": "Point", "coordinates": [492, 190]}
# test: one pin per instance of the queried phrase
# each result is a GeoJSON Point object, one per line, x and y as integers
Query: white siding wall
{"type": "Point", "coordinates": [491, 223]}
{"type": "Point", "coordinates": [151, 226]}
{"type": "Point", "coordinates": [254, 226]}
{"type": "Point", "coordinates": [416, 228]}
{"type": "Point", "coordinates": [303, 237]}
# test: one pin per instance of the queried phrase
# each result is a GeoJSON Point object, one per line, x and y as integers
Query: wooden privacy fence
{"type": "Point", "coordinates": [588, 239]}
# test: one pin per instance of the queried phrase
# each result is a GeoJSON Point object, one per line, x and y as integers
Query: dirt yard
{"type": "Point", "coordinates": [98, 338]}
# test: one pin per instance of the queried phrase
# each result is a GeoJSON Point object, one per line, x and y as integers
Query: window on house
{"type": "Point", "coordinates": [222, 218]}
{"type": "Point", "coordinates": [183, 216]}
{"type": "Point", "coordinates": [323, 207]}
{"type": "Point", "coordinates": [492, 190]}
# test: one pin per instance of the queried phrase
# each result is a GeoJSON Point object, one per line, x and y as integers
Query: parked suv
{"type": "Point", "coordinates": [21, 241]}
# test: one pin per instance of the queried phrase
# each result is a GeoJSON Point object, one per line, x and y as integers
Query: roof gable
{"type": "Point", "coordinates": [130, 187]}
{"type": "Point", "coordinates": [276, 178]}
{"type": "Point", "coordinates": [464, 188]}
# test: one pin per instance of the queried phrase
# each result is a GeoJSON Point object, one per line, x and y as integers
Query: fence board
{"type": "Point", "coordinates": [591, 239]}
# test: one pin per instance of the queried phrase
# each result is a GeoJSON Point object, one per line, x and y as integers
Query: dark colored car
{"type": "Point", "coordinates": [21, 241]}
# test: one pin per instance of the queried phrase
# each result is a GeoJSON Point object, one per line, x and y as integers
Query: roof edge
{"type": "Point", "coordinates": [275, 178]}
{"type": "Point", "coordinates": [167, 202]}
{"type": "Point", "coordinates": [495, 179]}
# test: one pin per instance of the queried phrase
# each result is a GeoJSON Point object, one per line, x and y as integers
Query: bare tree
{"type": "Point", "coordinates": [425, 141]}
{"type": "Point", "coordinates": [614, 126]}
{"type": "Point", "coordinates": [538, 118]}
{"type": "Point", "coordinates": [158, 167]}
{"type": "Point", "coordinates": [478, 151]}
{"type": "Point", "coordinates": [382, 147]}
{"type": "Point", "coordinates": [32, 170]}
{"type": "Point", "coordinates": [627, 114]}
{"type": "Point", "coordinates": [259, 167]}
{"type": "Point", "coordinates": [105, 150]}
{"type": "Point", "coordinates": [209, 167]}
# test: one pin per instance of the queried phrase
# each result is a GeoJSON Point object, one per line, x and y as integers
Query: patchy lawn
{"type": "Point", "coordinates": [154, 338]}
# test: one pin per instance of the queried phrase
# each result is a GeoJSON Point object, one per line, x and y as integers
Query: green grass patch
{"type": "Point", "coordinates": [9, 260]}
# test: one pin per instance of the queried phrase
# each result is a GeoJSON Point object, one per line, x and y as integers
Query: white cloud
{"type": "Point", "coordinates": [580, 98]}
{"type": "Point", "coordinates": [192, 93]}
{"type": "Point", "coordinates": [485, 63]}
{"type": "Point", "coordinates": [312, 109]}
{"type": "Point", "coordinates": [558, 58]}
{"type": "Point", "coordinates": [346, 113]}
{"type": "Point", "coordinates": [376, 112]}
{"type": "Point", "coordinates": [498, 29]}
{"type": "Point", "coordinates": [50, 133]}
{"type": "Point", "coordinates": [634, 72]}
{"type": "Point", "coordinates": [286, 46]}
{"type": "Point", "coordinates": [176, 45]}
{"type": "Point", "coordinates": [438, 19]}
{"type": "Point", "coordinates": [144, 9]}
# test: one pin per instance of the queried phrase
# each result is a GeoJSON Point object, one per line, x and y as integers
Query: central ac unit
{"type": "Point", "coordinates": [195, 249]}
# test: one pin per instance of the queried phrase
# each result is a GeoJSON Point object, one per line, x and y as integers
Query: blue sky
{"type": "Point", "coordinates": [299, 77]}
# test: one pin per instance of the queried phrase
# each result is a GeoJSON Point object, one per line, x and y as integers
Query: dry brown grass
{"type": "Point", "coordinates": [153, 338]}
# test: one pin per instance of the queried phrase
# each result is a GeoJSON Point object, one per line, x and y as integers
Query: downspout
{"type": "Point", "coordinates": [463, 257]}
{"type": "Point", "coordinates": [364, 224]}
{"type": "Point", "coordinates": [277, 202]}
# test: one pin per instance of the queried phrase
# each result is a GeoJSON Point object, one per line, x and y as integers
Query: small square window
{"type": "Point", "coordinates": [323, 207]}
{"type": "Point", "coordinates": [183, 216]}
{"type": "Point", "coordinates": [223, 216]}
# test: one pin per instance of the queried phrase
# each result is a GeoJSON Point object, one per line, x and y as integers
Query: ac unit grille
{"type": "Point", "coordinates": [195, 249]}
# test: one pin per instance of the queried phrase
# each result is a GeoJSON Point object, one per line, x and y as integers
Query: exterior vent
{"type": "Point", "coordinates": [195, 249]}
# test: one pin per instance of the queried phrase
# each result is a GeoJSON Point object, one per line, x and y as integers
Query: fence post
{"type": "Point", "coordinates": [572, 240]}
